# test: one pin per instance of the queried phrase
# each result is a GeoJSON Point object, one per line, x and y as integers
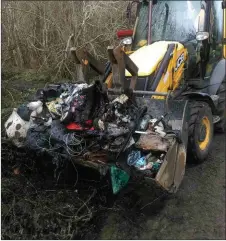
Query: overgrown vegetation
{"type": "Point", "coordinates": [35, 34]}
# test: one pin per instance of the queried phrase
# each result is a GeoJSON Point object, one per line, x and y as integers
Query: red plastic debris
{"type": "Point", "coordinates": [89, 122]}
{"type": "Point", "coordinates": [124, 33]}
{"type": "Point", "coordinates": [74, 126]}
{"type": "Point", "coordinates": [77, 127]}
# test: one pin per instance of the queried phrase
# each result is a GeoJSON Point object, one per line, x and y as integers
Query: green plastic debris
{"type": "Point", "coordinates": [119, 179]}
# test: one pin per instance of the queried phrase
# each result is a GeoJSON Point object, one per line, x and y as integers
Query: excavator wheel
{"type": "Point", "coordinates": [220, 126]}
{"type": "Point", "coordinates": [200, 133]}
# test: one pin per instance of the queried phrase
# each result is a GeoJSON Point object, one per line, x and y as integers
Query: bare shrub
{"type": "Point", "coordinates": [35, 34]}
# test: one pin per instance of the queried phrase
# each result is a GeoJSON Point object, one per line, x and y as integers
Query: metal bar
{"type": "Point", "coordinates": [74, 56]}
{"type": "Point", "coordinates": [121, 65]}
{"type": "Point", "coordinates": [133, 69]}
{"type": "Point", "coordinates": [130, 65]}
{"type": "Point", "coordinates": [114, 67]}
{"type": "Point", "coordinates": [83, 68]}
{"type": "Point", "coordinates": [79, 68]}
{"type": "Point", "coordinates": [111, 55]}
{"type": "Point", "coordinates": [86, 58]}
{"type": "Point", "coordinates": [163, 66]}
{"type": "Point", "coordinates": [94, 63]}
{"type": "Point", "coordinates": [117, 91]}
{"type": "Point", "coordinates": [120, 62]}
{"type": "Point", "coordinates": [133, 82]}
{"type": "Point", "coordinates": [150, 93]}
{"type": "Point", "coordinates": [149, 22]}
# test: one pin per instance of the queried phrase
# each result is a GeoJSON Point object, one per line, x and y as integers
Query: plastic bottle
{"type": "Point", "coordinates": [144, 123]}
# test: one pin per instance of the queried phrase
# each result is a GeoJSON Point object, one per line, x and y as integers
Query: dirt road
{"type": "Point", "coordinates": [196, 211]}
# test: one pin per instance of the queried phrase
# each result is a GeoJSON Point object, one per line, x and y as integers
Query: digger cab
{"type": "Point", "coordinates": [171, 21]}
{"type": "Point", "coordinates": [185, 23]}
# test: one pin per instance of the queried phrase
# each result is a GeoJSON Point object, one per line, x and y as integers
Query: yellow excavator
{"type": "Point", "coordinates": [178, 48]}
{"type": "Point", "coordinates": [174, 62]}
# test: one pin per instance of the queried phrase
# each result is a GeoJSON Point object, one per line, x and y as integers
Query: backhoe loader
{"type": "Point", "coordinates": [161, 97]}
{"type": "Point", "coordinates": [174, 60]}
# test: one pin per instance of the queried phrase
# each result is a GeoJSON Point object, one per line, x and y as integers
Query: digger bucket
{"type": "Point", "coordinates": [176, 112]}
{"type": "Point", "coordinates": [171, 172]}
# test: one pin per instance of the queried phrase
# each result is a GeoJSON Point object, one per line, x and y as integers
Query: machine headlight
{"type": "Point", "coordinates": [200, 36]}
{"type": "Point", "coordinates": [127, 41]}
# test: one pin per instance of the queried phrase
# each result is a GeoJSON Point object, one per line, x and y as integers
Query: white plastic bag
{"type": "Point", "coordinates": [16, 128]}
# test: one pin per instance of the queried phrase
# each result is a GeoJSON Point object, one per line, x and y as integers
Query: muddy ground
{"type": "Point", "coordinates": [79, 205]}
{"type": "Point", "coordinates": [196, 211]}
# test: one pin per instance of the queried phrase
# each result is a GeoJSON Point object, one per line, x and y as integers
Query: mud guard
{"type": "Point", "coordinates": [200, 96]}
{"type": "Point", "coordinates": [217, 77]}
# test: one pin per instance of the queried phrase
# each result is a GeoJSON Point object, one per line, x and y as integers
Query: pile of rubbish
{"type": "Point", "coordinates": [84, 123]}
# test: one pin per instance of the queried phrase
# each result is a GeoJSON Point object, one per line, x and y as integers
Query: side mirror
{"type": "Point", "coordinates": [200, 21]}
{"type": "Point", "coordinates": [201, 33]}
{"type": "Point", "coordinates": [201, 36]}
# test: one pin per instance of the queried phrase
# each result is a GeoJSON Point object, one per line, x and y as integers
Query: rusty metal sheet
{"type": "Point", "coordinates": [172, 171]}
{"type": "Point", "coordinates": [165, 175]}
{"type": "Point", "coordinates": [120, 62]}
{"type": "Point", "coordinates": [121, 65]}
{"type": "Point", "coordinates": [133, 82]}
{"type": "Point", "coordinates": [180, 168]}
{"type": "Point", "coordinates": [79, 69]}
{"type": "Point", "coordinates": [115, 68]}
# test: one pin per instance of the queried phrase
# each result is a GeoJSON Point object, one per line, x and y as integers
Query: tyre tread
{"type": "Point", "coordinates": [220, 126]}
{"type": "Point", "coordinates": [194, 114]}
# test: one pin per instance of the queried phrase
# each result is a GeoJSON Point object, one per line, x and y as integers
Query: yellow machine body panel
{"type": "Point", "coordinates": [147, 58]}
{"type": "Point", "coordinates": [172, 77]}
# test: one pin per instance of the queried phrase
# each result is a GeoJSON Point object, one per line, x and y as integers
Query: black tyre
{"type": "Point", "coordinates": [220, 126]}
{"type": "Point", "coordinates": [200, 133]}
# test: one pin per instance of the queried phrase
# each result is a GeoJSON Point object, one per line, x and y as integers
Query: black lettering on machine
{"type": "Point", "coordinates": [180, 60]}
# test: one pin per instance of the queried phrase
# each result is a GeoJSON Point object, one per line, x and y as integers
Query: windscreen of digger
{"type": "Point", "coordinates": [171, 21]}
{"type": "Point", "coordinates": [141, 28]}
